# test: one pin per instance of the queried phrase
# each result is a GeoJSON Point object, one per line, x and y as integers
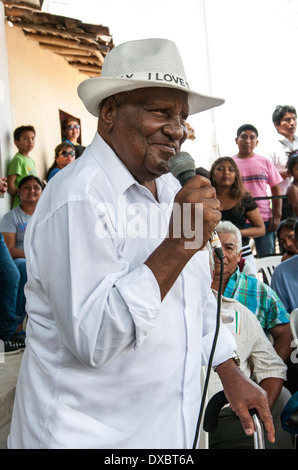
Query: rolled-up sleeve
{"type": "Point", "coordinates": [225, 346]}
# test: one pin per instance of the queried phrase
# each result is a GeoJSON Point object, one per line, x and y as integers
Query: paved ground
{"type": "Point", "coordinates": [9, 368]}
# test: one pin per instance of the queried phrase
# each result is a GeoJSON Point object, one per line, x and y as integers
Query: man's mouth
{"type": "Point", "coordinates": [168, 148]}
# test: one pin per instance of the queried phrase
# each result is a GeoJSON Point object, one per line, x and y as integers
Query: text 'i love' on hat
{"type": "Point", "coordinates": [141, 64]}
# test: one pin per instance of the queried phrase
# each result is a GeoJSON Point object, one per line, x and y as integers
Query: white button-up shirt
{"type": "Point", "coordinates": [107, 364]}
{"type": "Point", "coordinates": [279, 155]}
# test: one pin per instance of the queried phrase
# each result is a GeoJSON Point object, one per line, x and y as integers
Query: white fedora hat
{"type": "Point", "coordinates": [141, 64]}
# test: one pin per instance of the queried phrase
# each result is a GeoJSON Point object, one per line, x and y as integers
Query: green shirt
{"type": "Point", "coordinates": [21, 166]}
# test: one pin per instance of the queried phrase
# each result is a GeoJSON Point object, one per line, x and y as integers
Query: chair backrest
{"type": "Point", "coordinates": [294, 323]}
{"type": "Point", "coordinates": [265, 267]}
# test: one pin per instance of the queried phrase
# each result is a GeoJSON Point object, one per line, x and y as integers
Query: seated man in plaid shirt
{"type": "Point", "coordinates": [253, 293]}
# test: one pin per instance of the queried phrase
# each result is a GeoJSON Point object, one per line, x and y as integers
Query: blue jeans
{"type": "Point", "coordinates": [21, 301]}
{"type": "Point", "coordinates": [9, 283]}
{"type": "Point", "coordinates": [265, 245]}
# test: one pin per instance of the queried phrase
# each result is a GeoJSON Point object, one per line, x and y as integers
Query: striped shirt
{"type": "Point", "coordinates": [257, 297]}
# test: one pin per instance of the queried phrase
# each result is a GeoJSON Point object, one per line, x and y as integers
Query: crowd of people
{"type": "Point", "coordinates": [258, 203]}
{"type": "Point", "coordinates": [25, 188]}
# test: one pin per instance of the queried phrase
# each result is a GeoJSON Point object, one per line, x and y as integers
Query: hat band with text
{"type": "Point", "coordinates": [157, 77]}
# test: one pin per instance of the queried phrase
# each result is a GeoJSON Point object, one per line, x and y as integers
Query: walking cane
{"type": "Point", "coordinates": [213, 409]}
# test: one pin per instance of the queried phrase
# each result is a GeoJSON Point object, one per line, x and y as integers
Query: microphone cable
{"type": "Point", "coordinates": [220, 256]}
{"type": "Point", "coordinates": [183, 167]}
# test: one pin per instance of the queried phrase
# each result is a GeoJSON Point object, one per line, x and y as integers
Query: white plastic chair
{"type": "Point", "coordinates": [265, 267]}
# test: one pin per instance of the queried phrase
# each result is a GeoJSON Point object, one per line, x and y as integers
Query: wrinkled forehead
{"type": "Point", "coordinates": [228, 239]}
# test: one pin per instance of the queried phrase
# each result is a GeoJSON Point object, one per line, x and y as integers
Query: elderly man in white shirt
{"type": "Point", "coordinates": [117, 329]}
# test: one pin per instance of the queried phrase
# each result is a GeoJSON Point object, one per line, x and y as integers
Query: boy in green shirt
{"type": "Point", "coordinates": [21, 165]}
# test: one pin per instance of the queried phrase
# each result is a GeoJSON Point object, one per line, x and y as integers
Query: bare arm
{"type": "Point", "coordinates": [292, 195]}
{"type": "Point", "coordinates": [169, 259]}
{"type": "Point", "coordinates": [3, 185]}
{"type": "Point", "coordinates": [243, 395]}
{"type": "Point", "coordinates": [282, 337]}
{"type": "Point", "coordinates": [10, 240]}
{"type": "Point", "coordinates": [277, 208]}
{"type": "Point", "coordinates": [11, 182]}
{"type": "Point", "coordinates": [257, 228]}
{"type": "Point", "coordinates": [273, 386]}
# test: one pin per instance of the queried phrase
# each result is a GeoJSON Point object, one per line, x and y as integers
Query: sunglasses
{"type": "Point", "coordinates": [75, 126]}
{"type": "Point", "coordinates": [65, 153]}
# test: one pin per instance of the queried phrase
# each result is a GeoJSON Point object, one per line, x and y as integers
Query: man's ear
{"type": "Point", "coordinates": [107, 113]}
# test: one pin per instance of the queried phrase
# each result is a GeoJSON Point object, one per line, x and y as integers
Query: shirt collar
{"type": "Point", "coordinates": [281, 138]}
{"type": "Point", "coordinates": [236, 274]}
{"type": "Point", "coordinates": [233, 280]}
{"type": "Point", "coordinates": [117, 173]}
{"type": "Point", "coordinates": [228, 300]}
{"type": "Point", "coordinates": [121, 178]}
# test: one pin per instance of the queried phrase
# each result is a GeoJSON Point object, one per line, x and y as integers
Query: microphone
{"type": "Point", "coordinates": [183, 167]}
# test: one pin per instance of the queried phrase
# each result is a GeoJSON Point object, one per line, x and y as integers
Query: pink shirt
{"type": "Point", "coordinates": [257, 174]}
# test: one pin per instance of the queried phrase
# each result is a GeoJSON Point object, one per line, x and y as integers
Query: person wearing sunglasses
{"type": "Point", "coordinates": [64, 154]}
{"type": "Point", "coordinates": [71, 131]}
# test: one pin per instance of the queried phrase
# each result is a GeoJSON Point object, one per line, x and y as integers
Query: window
{"type": "Point", "coordinates": [64, 115]}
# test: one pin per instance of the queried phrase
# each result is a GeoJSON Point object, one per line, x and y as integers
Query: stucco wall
{"type": "Point", "coordinates": [5, 111]}
{"type": "Point", "coordinates": [41, 83]}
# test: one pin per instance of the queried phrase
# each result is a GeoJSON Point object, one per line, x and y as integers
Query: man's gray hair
{"type": "Point", "coordinates": [227, 227]}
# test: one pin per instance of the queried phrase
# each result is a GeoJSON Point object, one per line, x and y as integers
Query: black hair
{"type": "Point", "coordinates": [280, 111]}
{"type": "Point", "coordinates": [286, 223]}
{"type": "Point", "coordinates": [237, 190]}
{"type": "Point", "coordinates": [29, 178]}
{"type": "Point", "coordinates": [292, 160]}
{"type": "Point", "coordinates": [19, 131]}
{"type": "Point", "coordinates": [296, 230]}
{"type": "Point", "coordinates": [65, 122]}
{"type": "Point", "coordinates": [64, 145]}
{"type": "Point", "coordinates": [247, 127]}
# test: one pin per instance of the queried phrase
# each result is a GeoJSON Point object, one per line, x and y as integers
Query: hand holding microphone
{"type": "Point", "coordinates": [182, 166]}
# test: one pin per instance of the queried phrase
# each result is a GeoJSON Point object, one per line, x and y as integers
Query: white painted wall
{"type": "Point", "coordinates": [36, 84]}
{"type": "Point", "coordinates": [5, 111]}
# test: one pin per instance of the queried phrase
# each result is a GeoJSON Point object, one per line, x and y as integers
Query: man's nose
{"type": "Point", "coordinates": [175, 129]}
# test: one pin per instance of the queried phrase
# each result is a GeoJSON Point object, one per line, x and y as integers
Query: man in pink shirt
{"type": "Point", "coordinates": [258, 175]}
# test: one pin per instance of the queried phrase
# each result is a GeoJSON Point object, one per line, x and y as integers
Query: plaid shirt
{"type": "Point", "coordinates": [257, 297]}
